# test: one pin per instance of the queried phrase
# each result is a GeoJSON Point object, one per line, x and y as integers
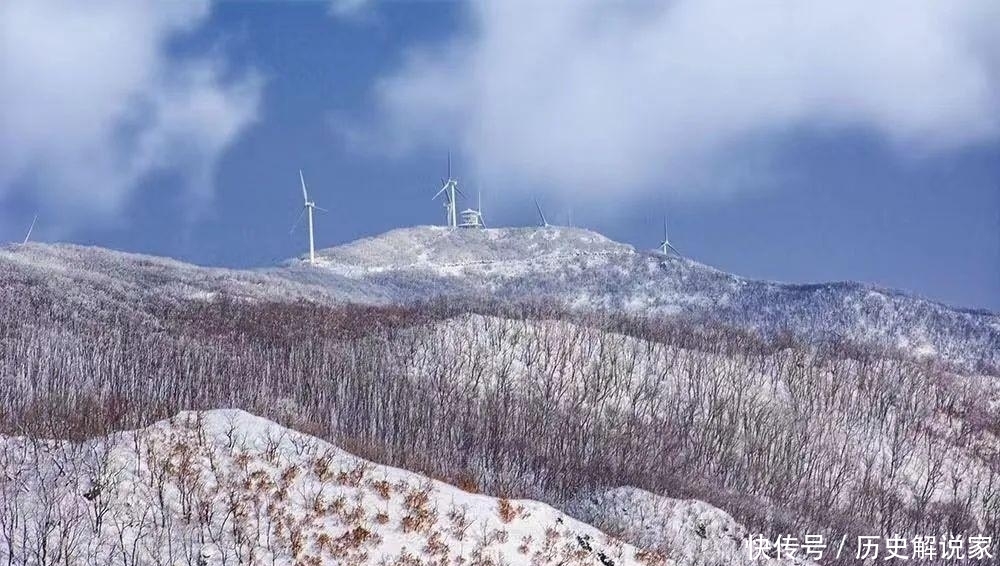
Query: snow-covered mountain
{"type": "Point", "coordinates": [226, 487]}
{"type": "Point", "coordinates": [567, 409]}
{"type": "Point", "coordinates": [581, 268]}
{"type": "Point", "coordinates": [574, 267]}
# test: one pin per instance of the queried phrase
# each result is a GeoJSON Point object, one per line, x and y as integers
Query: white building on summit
{"type": "Point", "coordinates": [471, 219]}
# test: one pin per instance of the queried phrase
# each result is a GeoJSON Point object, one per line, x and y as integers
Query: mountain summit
{"type": "Point", "coordinates": [580, 268]}
{"type": "Point", "coordinates": [508, 250]}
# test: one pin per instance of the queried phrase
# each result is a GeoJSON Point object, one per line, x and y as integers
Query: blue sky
{"type": "Point", "coordinates": [833, 153]}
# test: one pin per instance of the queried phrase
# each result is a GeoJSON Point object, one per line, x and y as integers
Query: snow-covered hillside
{"type": "Point", "coordinates": [564, 409]}
{"type": "Point", "coordinates": [226, 487]}
{"type": "Point", "coordinates": [581, 268]}
{"type": "Point", "coordinates": [654, 521]}
{"type": "Point", "coordinates": [91, 283]}
{"type": "Point", "coordinates": [63, 265]}
{"type": "Point", "coordinates": [571, 266]}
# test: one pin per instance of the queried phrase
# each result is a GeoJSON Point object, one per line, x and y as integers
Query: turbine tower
{"type": "Point", "coordinates": [541, 215]}
{"type": "Point", "coordinates": [449, 187]}
{"type": "Point", "coordinates": [307, 209]}
{"type": "Point", "coordinates": [665, 246]}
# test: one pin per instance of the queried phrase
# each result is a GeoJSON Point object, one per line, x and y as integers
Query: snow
{"type": "Point", "coordinates": [234, 486]}
{"type": "Point", "coordinates": [583, 269]}
{"type": "Point", "coordinates": [85, 276]}
{"type": "Point", "coordinates": [569, 266]}
{"type": "Point", "coordinates": [254, 480]}
{"type": "Point", "coordinates": [263, 480]}
{"type": "Point", "coordinates": [507, 252]}
{"type": "Point", "coordinates": [694, 530]}
{"type": "Point", "coordinates": [233, 448]}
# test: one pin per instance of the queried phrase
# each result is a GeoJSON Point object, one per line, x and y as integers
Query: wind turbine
{"type": "Point", "coordinates": [449, 187]}
{"type": "Point", "coordinates": [665, 246]}
{"type": "Point", "coordinates": [30, 228]}
{"type": "Point", "coordinates": [545, 223]}
{"type": "Point", "coordinates": [307, 208]}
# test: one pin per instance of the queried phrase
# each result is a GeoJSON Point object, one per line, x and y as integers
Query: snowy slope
{"type": "Point", "coordinates": [572, 266]}
{"type": "Point", "coordinates": [84, 280]}
{"type": "Point", "coordinates": [695, 530]}
{"type": "Point", "coordinates": [582, 268]}
{"type": "Point", "coordinates": [224, 487]}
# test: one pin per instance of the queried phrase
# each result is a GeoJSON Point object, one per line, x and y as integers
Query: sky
{"type": "Point", "coordinates": [854, 140]}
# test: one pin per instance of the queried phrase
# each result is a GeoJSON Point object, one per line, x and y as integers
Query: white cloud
{"type": "Point", "coordinates": [349, 9]}
{"type": "Point", "coordinates": [590, 96]}
{"type": "Point", "coordinates": [91, 101]}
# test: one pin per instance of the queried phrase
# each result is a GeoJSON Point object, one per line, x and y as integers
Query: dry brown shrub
{"type": "Point", "coordinates": [405, 558]}
{"type": "Point", "coordinates": [321, 466]}
{"type": "Point", "coordinates": [354, 515]}
{"type": "Point", "coordinates": [653, 556]}
{"type": "Point", "coordinates": [507, 511]}
{"type": "Point", "coordinates": [467, 482]}
{"type": "Point", "coordinates": [323, 542]}
{"type": "Point", "coordinates": [296, 541]}
{"type": "Point", "coordinates": [435, 545]}
{"type": "Point", "coordinates": [354, 476]}
{"type": "Point", "coordinates": [289, 474]}
{"type": "Point", "coordinates": [355, 538]}
{"type": "Point", "coordinates": [460, 522]}
{"type": "Point", "coordinates": [420, 517]}
{"type": "Point", "coordinates": [383, 488]}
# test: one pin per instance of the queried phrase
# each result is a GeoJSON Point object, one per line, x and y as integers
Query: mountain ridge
{"type": "Point", "coordinates": [11, 250]}
{"type": "Point", "coordinates": [583, 269]}
{"type": "Point", "coordinates": [328, 254]}
{"type": "Point", "coordinates": [572, 267]}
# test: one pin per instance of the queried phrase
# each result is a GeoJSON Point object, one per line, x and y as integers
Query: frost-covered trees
{"type": "Point", "coordinates": [514, 401]}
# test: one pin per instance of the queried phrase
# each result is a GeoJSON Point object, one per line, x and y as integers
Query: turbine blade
{"type": "Point", "coordinates": [30, 228]}
{"type": "Point", "coordinates": [320, 208]}
{"type": "Point", "coordinates": [305, 195]}
{"type": "Point", "coordinates": [541, 214]}
{"type": "Point", "coordinates": [297, 220]}
{"type": "Point", "coordinates": [673, 248]}
{"type": "Point", "coordinates": [439, 192]}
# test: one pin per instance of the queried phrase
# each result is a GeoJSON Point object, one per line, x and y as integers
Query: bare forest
{"type": "Point", "coordinates": [531, 401]}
